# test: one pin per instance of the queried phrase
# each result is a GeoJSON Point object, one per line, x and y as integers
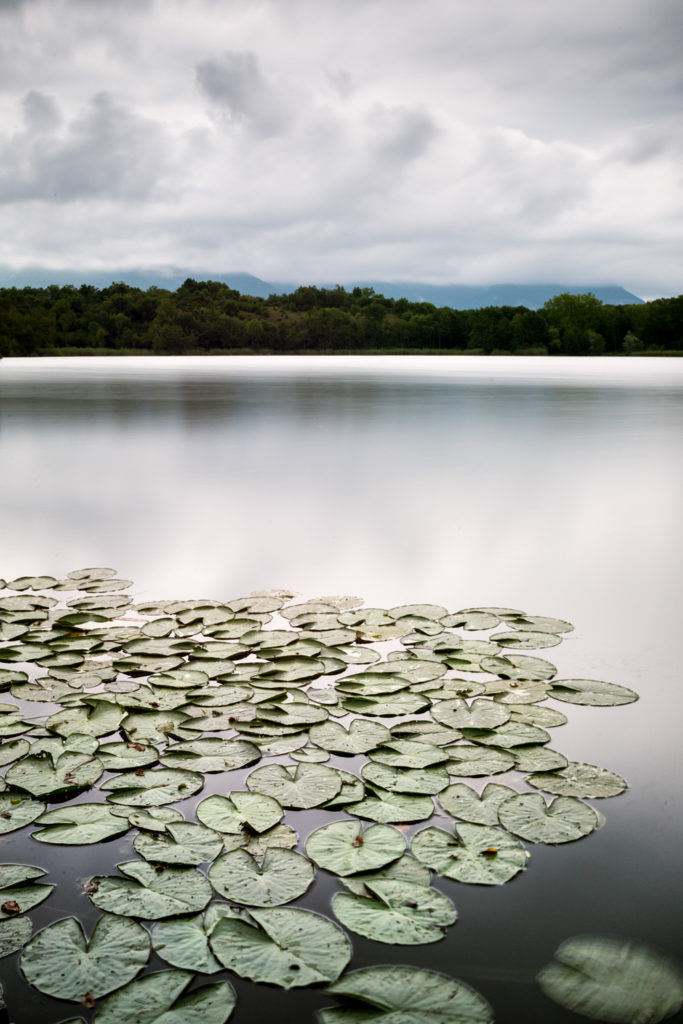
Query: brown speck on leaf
{"type": "Point", "coordinates": [91, 887]}
{"type": "Point", "coordinates": [139, 771]}
{"type": "Point", "coordinates": [358, 841]}
{"type": "Point", "coordinates": [88, 1000]}
{"type": "Point", "coordinates": [490, 851]}
{"type": "Point", "coordinates": [11, 907]}
{"type": "Point", "coordinates": [135, 746]}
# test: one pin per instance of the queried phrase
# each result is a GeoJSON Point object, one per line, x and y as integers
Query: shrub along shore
{"type": "Point", "coordinates": [208, 317]}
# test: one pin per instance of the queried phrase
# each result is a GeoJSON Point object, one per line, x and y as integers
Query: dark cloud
{"type": "Point", "coordinates": [106, 150]}
{"type": "Point", "coordinates": [241, 94]}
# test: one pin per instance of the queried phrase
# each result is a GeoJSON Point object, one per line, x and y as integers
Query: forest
{"type": "Point", "coordinates": [210, 317]}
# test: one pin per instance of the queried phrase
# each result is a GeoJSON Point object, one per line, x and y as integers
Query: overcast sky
{"type": "Point", "coordinates": [466, 141]}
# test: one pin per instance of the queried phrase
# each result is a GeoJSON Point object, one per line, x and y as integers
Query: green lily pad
{"type": "Point", "coordinates": [526, 639]}
{"type": "Point", "coordinates": [344, 848]}
{"type": "Point", "coordinates": [401, 913]}
{"type": "Point", "coordinates": [182, 843]}
{"type": "Point", "coordinates": [151, 787]}
{"type": "Point", "coordinates": [405, 869]}
{"type": "Point", "coordinates": [151, 894]}
{"type": "Point", "coordinates": [591, 691]}
{"type": "Point", "coordinates": [283, 876]}
{"type": "Point", "coordinates": [383, 806]}
{"type": "Point", "coordinates": [79, 824]}
{"type": "Point", "coordinates": [461, 801]}
{"type": "Point", "coordinates": [480, 714]}
{"type": "Point", "coordinates": [184, 941]}
{"type": "Point", "coordinates": [539, 623]}
{"type": "Point", "coordinates": [280, 837]}
{"type": "Point", "coordinates": [508, 736]}
{"type": "Point", "coordinates": [562, 821]}
{"type": "Point", "coordinates": [405, 995]}
{"type": "Point", "coordinates": [14, 933]}
{"type": "Point", "coordinates": [428, 781]}
{"type": "Point", "coordinates": [535, 714]}
{"type": "Point", "coordinates": [403, 703]}
{"type": "Point", "coordinates": [39, 775]}
{"type": "Point", "coordinates": [426, 732]}
{"type": "Point", "coordinates": [157, 999]}
{"type": "Point", "coordinates": [94, 718]}
{"type": "Point", "coordinates": [408, 754]}
{"type": "Point", "coordinates": [17, 810]}
{"type": "Point", "coordinates": [518, 667]}
{"type": "Point", "coordinates": [59, 961]}
{"type": "Point", "coordinates": [536, 758]}
{"type": "Point", "coordinates": [121, 756]}
{"type": "Point", "coordinates": [360, 736]}
{"type": "Point", "coordinates": [310, 755]}
{"type": "Point", "coordinates": [153, 819]}
{"type": "Point", "coordinates": [12, 750]}
{"type": "Point", "coordinates": [476, 854]}
{"type": "Point", "coordinates": [578, 779]}
{"type": "Point", "coordinates": [307, 785]}
{"type": "Point", "coordinates": [471, 761]}
{"type": "Point", "coordinates": [613, 979]}
{"type": "Point", "coordinates": [289, 948]}
{"type": "Point", "coordinates": [229, 815]}
{"type": "Point", "coordinates": [211, 754]}
{"type": "Point", "coordinates": [155, 727]}
{"type": "Point", "coordinates": [19, 892]}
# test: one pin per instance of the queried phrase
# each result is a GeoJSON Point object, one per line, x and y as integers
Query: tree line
{"type": "Point", "coordinates": [210, 317]}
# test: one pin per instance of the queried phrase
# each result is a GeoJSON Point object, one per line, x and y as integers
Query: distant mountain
{"type": "Point", "coordinates": [457, 296]}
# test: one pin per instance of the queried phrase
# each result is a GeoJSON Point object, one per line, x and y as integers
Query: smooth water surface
{"type": "Point", "coordinates": [552, 485]}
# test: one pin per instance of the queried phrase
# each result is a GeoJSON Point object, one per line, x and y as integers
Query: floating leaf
{"type": "Point", "coordinates": [360, 736]}
{"type": "Point", "coordinates": [280, 837]}
{"type": "Point", "coordinates": [404, 703]}
{"type": "Point", "coordinates": [401, 913]}
{"type": "Point", "coordinates": [79, 824]}
{"type": "Point", "coordinates": [476, 854]}
{"type": "Point", "coordinates": [591, 691]}
{"type": "Point", "coordinates": [562, 821]}
{"type": "Point", "coordinates": [155, 727]}
{"type": "Point", "coordinates": [59, 961]}
{"type": "Point", "coordinates": [120, 756]}
{"type": "Point", "coordinates": [17, 810]}
{"type": "Point", "coordinates": [184, 941]}
{"type": "Point", "coordinates": [283, 876]}
{"type": "Point", "coordinates": [613, 979]}
{"type": "Point", "coordinates": [578, 779]}
{"type": "Point", "coordinates": [151, 787]}
{"type": "Point", "coordinates": [408, 754]}
{"type": "Point", "coordinates": [510, 735]}
{"type": "Point", "coordinates": [519, 667]}
{"type": "Point", "coordinates": [19, 891]}
{"type": "Point", "coordinates": [94, 718]}
{"type": "Point", "coordinates": [538, 759]}
{"type": "Point", "coordinates": [471, 760]}
{"type": "Point", "coordinates": [426, 732]}
{"type": "Point", "coordinates": [291, 948]}
{"type": "Point", "coordinates": [228, 815]}
{"type": "Point", "coordinates": [534, 714]}
{"type": "Point", "coordinates": [344, 848]}
{"type": "Point", "coordinates": [405, 869]}
{"type": "Point", "coordinates": [526, 639]}
{"type": "Point", "coordinates": [480, 714]}
{"type": "Point", "coordinates": [406, 995]}
{"type": "Point", "coordinates": [14, 933]}
{"type": "Point", "coordinates": [157, 999]}
{"type": "Point", "coordinates": [381, 805]}
{"type": "Point", "coordinates": [211, 755]}
{"type": "Point", "coordinates": [12, 750]}
{"type": "Point", "coordinates": [307, 785]}
{"type": "Point", "coordinates": [41, 776]}
{"type": "Point", "coordinates": [461, 801]}
{"type": "Point", "coordinates": [427, 781]}
{"type": "Point", "coordinates": [151, 894]}
{"type": "Point", "coordinates": [182, 843]}
{"type": "Point", "coordinates": [310, 755]}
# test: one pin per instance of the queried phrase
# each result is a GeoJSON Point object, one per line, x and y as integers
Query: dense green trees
{"type": "Point", "coordinates": [208, 316]}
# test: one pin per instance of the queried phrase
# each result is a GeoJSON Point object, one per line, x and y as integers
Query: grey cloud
{"type": "Point", "coordinates": [400, 135]}
{"type": "Point", "coordinates": [106, 151]}
{"type": "Point", "coordinates": [240, 93]}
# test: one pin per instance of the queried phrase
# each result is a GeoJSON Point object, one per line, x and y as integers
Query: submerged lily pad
{"type": "Point", "coordinates": [60, 962]}
{"type": "Point", "coordinates": [401, 913]}
{"type": "Point", "coordinates": [283, 876]}
{"type": "Point", "coordinates": [289, 948]}
{"type": "Point", "coordinates": [344, 848]}
{"type": "Point", "coordinates": [405, 995]}
{"type": "Point", "coordinates": [611, 979]}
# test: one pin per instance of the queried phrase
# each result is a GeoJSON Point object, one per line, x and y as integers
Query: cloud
{"type": "Point", "coordinates": [240, 94]}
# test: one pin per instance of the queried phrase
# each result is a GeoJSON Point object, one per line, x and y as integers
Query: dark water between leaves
{"type": "Point", "coordinates": [549, 485]}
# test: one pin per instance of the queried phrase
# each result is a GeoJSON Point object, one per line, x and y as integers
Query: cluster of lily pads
{"type": "Point", "coordinates": [154, 697]}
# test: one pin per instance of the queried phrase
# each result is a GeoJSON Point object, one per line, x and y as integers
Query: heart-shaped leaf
{"type": "Point", "coordinates": [149, 893]}
{"type": "Point", "coordinates": [401, 913]}
{"type": "Point", "coordinates": [283, 876]}
{"type": "Point", "coordinates": [79, 824]}
{"type": "Point", "coordinates": [41, 776]}
{"type": "Point", "coordinates": [182, 843]}
{"type": "Point", "coordinates": [562, 821]}
{"type": "Point", "coordinates": [307, 785]}
{"type": "Point", "coordinates": [184, 941]}
{"type": "Point", "coordinates": [157, 999]}
{"type": "Point", "coordinates": [461, 801]}
{"type": "Point", "coordinates": [345, 849]}
{"type": "Point", "coordinates": [476, 854]}
{"type": "Point", "coordinates": [578, 779]}
{"type": "Point", "coordinates": [228, 815]}
{"type": "Point", "coordinates": [152, 787]}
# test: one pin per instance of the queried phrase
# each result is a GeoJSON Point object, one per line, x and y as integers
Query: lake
{"type": "Point", "coordinates": [551, 485]}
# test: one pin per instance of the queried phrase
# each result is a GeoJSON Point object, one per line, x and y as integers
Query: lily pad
{"type": "Point", "coordinates": [79, 824]}
{"type": "Point", "coordinates": [562, 821]}
{"type": "Point", "coordinates": [344, 848]}
{"type": "Point", "coordinates": [471, 761]}
{"type": "Point", "coordinates": [405, 869]}
{"type": "Point", "coordinates": [14, 934]}
{"type": "Point", "coordinates": [403, 703]}
{"type": "Point", "coordinates": [428, 781]}
{"type": "Point", "coordinates": [408, 754]}
{"type": "Point", "coordinates": [157, 999]}
{"type": "Point", "coordinates": [578, 779]}
{"type": "Point", "coordinates": [17, 810]}
{"type": "Point", "coordinates": [94, 718]}
{"type": "Point", "coordinates": [283, 876]}
{"type": "Point", "coordinates": [401, 913]}
{"type": "Point", "coordinates": [228, 815]}
{"type": "Point", "coordinates": [307, 785]}
{"type": "Point", "coordinates": [461, 801]}
{"type": "Point", "coordinates": [405, 995]}
{"type": "Point", "coordinates": [476, 854]}
{"type": "Point", "coordinates": [383, 806]}
{"type": "Point", "coordinates": [591, 691]}
{"type": "Point", "coordinates": [289, 948]}
{"type": "Point", "coordinates": [121, 756]}
{"type": "Point", "coordinates": [39, 775]}
{"type": "Point", "coordinates": [151, 787]}
{"type": "Point", "coordinates": [211, 754]}
{"type": "Point", "coordinates": [611, 979]}
{"type": "Point", "coordinates": [360, 736]}
{"type": "Point", "coordinates": [536, 758]}
{"type": "Point", "coordinates": [182, 843]}
{"type": "Point", "coordinates": [480, 714]}
{"type": "Point", "coordinates": [151, 894]}
{"type": "Point", "coordinates": [508, 736]}
{"type": "Point", "coordinates": [184, 941]}
{"type": "Point", "coordinates": [59, 961]}
{"type": "Point", "coordinates": [19, 890]}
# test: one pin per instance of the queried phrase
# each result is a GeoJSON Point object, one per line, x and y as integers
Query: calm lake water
{"type": "Point", "coordinates": [552, 485]}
